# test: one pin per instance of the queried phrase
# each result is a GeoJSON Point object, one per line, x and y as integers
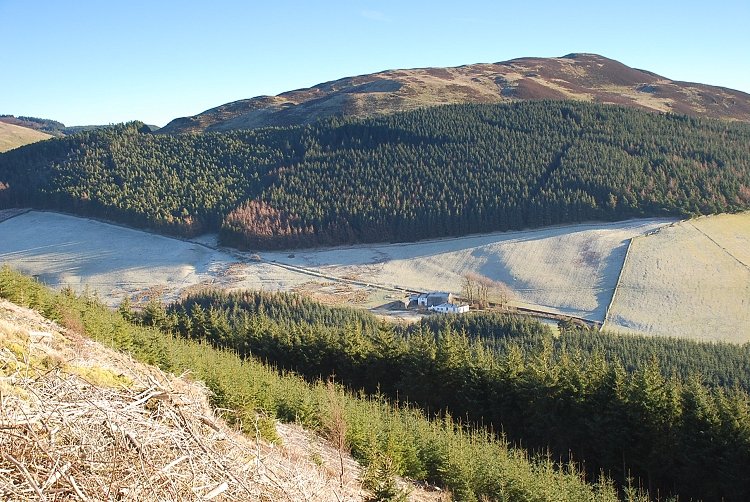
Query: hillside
{"type": "Point", "coordinates": [50, 127]}
{"type": "Point", "coordinates": [443, 171]}
{"type": "Point", "coordinates": [670, 415]}
{"type": "Point", "coordinates": [13, 136]}
{"type": "Point", "coordinates": [581, 77]}
{"type": "Point", "coordinates": [47, 126]}
{"type": "Point", "coordinates": [570, 270]}
{"type": "Point", "coordinates": [389, 439]}
{"type": "Point", "coordinates": [81, 421]}
{"type": "Point", "coordinates": [653, 296]}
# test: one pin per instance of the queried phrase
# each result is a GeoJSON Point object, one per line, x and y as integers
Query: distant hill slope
{"type": "Point", "coordinates": [13, 136]}
{"type": "Point", "coordinates": [449, 170]}
{"type": "Point", "coordinates": [52, 127]}
{"type": "Point", "coordinates": [583, 77]}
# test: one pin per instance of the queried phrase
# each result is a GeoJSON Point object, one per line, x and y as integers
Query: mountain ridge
{"type": "Point", "coordinates": [575, 76]}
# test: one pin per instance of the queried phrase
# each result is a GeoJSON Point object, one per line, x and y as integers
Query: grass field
{"type": "Point", "coordinates": [691, 279]}
{"type": "Point", "coordinates": [13, 136]}
{"type": "Point", "coordinates": [116, 262]}
{"type": "Point", "coordinates": [568, 269]}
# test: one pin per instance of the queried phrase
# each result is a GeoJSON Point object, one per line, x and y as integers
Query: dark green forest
{"type": "Point", "coordinates": [584, 406]}
{"type": "Point", "coordinates": [673, 414]}
{"type": "Point", "coordinates": [387, 438]}
{"type": "Point", "coordinates": [440, 171]}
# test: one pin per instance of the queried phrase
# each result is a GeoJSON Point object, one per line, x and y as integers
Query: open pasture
{"type": "Point", "coordinates": [115, 262]}
{"type": "Point", "coordinates": [690, 279]}
{"type": "Point", "coordinates": [569, 269]}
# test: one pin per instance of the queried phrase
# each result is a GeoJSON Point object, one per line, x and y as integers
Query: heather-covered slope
{"type": "Point", "coordinates": [580, 77]}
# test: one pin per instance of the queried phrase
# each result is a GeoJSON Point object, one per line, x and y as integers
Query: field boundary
{"type": "Point", "coordinates": [617, 284]}
{"type": "Point", "coordinates": [720, 246]}
{"type": "Point", "coordinates": [6, 214]}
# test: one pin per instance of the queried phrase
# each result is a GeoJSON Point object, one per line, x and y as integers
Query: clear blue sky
{"type": "Point", "coordinates": [105, 61]}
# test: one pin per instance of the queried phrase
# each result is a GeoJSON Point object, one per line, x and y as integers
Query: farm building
{"type": "Point", "coordinates": [449, 308]}
{"type": "Point", "coordinates": [430, 299]}
{"type": "Point", "coordinates": [401, 303]}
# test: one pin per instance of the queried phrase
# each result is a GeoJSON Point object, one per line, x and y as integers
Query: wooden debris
{"type": "Point", "coordinates": [65, 438]}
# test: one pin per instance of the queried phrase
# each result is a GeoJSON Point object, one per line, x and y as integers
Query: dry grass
{"type": "Point", "coordinates": [13, 136]}
{"type": "Point", "coordinates": [333, 293]}
{"type": "Point", "coordinates": [644, 99]}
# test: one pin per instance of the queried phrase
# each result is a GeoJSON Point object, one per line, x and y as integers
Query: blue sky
{"type": "Point", "coordinates": [97, 62]}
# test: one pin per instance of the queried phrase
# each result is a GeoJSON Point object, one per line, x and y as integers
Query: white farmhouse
{"type": "Point", "coordinates": [431, 299]}
{"type": "Point", "coordinates": [449, 308]}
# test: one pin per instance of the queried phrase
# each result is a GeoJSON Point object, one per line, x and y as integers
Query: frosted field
{"type": "Point", "coordinates": [115, 262]}
{"type": "Point", "coordinates": [688, 280]}
{"type": "Point", "coordinates": [567, 269]}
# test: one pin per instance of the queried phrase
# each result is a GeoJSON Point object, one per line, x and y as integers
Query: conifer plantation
{"type": "Point", "coordinates": [492, 406]}
{"type": "Point", "coordinates": [620, 405]}
{"type": "Point", "coordinates": [372, 253]}
{"type": "Point", "coordinates": [387, 438]}
{"type": "Point", "coordinates": [672, 414]}
{"type": "Point", "coordinates": [573, 407]}
{"type": "Point", "coordinates": [440, 171]}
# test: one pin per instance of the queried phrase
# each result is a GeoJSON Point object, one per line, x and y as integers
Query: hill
{"type": "Point", "coordinates": [389, 439]}
{"type": "Point", "coordinates": [51, 127]}
{"type": "Point", "coordinates": [653, 412]}
{"type": "Point", "coordinates": [581, 77]}
{"type": "Point", "coordinates": [441, 171]}
{"type": "Point", "coordinates": [12, 136]}
{"type": "Point", "coordinates": [48, 126]}
{"type": "Point", "coordinates": [78, 418]}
